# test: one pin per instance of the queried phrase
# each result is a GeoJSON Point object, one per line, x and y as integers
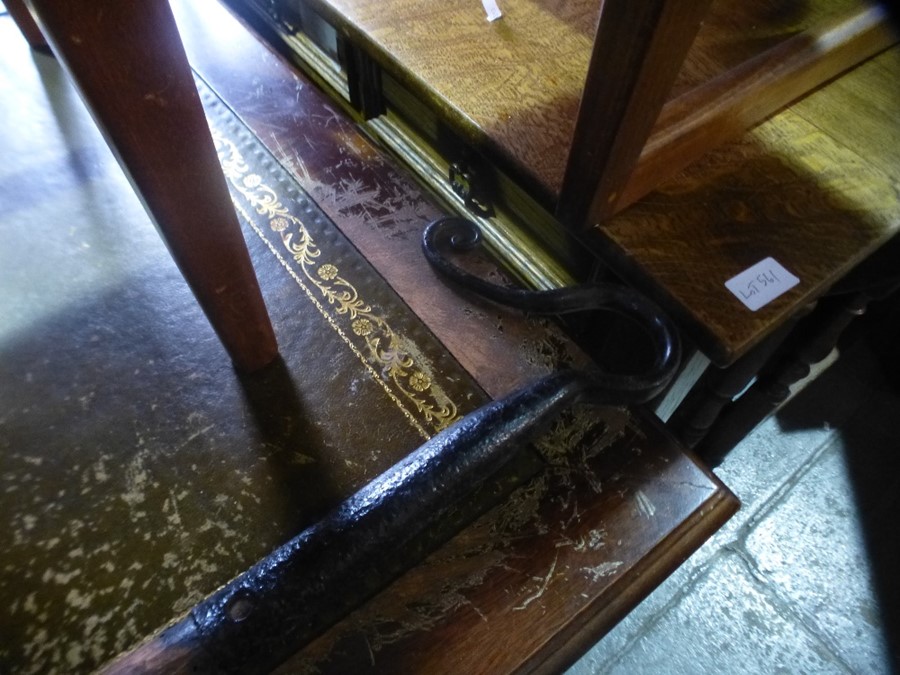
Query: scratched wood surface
{"type": "Point", "coordinates": [530, 585]}
{"type": "Point", "coordinates": [815, 187]}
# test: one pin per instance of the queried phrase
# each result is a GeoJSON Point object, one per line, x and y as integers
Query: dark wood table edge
{"type": "Point", "coordinates": [643, 578]}
{"type": "Point", "coordinates": [570, 645]}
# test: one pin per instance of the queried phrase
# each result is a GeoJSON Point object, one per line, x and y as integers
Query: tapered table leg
{"type": "Point", "coordinates": [22, 18]}
{"type": "Point", "coordinates": [127, 60]}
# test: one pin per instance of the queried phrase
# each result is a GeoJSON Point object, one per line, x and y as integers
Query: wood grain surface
{"type": "Point", "coordinates": [512, 86]}
{"type": "Point", "coordinates": [130, 67]}
{"type": "Point", "coordinates": [735, 31]}
{"type": "Point", "coordinates": [796, 190]}
{"type": "Point", "coordinates": [815, 187]}
{"type": "Point", "coordinates": [725, 106]}
{"type": "Point", "coordinates": [637, 53]}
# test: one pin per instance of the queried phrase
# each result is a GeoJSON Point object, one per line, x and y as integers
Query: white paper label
{"type": "Point", "coordinates": [762, 283]}
{"type": "Point", "coordinates": [493, 11]}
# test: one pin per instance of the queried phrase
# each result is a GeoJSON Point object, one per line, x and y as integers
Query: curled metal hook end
{"type": "Point", "coordinates": [463, 235]}
{"type": "Point", "coordinates": [460, 233]}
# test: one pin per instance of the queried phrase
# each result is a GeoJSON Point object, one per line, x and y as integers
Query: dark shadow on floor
{"type": "Point", "coordinates": [860, 396]}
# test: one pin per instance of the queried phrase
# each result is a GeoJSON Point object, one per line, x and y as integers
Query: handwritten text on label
{"type": "Point", "coordinates": [757, 286]}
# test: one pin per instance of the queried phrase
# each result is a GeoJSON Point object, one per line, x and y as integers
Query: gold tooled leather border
{"type": "Point", "coordinates": [390, 357]}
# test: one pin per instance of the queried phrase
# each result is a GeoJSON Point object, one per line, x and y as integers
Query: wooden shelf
{"type": "Point", "coordinates": [734, 32]}
{"type": "Point", "coordinates": [538, 96]}
{"type": "Point", "coordinates": [518, 91]}
{"type": "Point", "coordinates": [814, 187]}
{"type": "Point", "coordinates": [732, 80]}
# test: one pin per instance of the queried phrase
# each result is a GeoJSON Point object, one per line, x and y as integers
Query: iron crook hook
{"type": "Point", "coordinates": [461, 235]}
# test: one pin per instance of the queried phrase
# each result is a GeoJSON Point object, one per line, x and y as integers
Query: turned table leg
{"type": "Point", "coordinates": [127, 60]}
{"type": "Point", "coordinates": [714, 392]}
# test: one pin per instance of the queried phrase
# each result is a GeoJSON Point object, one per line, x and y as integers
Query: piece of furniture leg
{"type": "Point", "coordinates": [636, 56]}
{"type": "Point", "coordinates": [814, 338]}
{"type": "Point", "coordinates": [718, 387]}
{"type": "Point", "coordinates": [23, 19]}
{"type": "Point", "coordinates": [127, 60]}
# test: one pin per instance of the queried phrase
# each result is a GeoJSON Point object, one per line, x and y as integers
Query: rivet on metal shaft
{"type": "Point", "coordinates": [239, 608]}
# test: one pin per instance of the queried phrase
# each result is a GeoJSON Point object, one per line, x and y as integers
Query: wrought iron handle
{"type": "Point", "coordinates": [292, 595]}
{"type": "Point", "coordinates": [289, 597]}
{"type": "Point", "coordinates": [460, 234]}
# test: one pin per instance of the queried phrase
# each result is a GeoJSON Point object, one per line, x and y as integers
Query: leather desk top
{"type": "Point", "coordinates": [154, 474]}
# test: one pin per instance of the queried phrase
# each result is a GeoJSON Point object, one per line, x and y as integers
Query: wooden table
{"type": "Point", "coordinates": [564, 98]}
{"type": "Point", "coordinates": [812, 188]}
{"type": "Point", "coordinates": [532, 582]}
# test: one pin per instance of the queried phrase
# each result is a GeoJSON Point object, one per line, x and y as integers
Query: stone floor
{"type": "Point", "coordinates": [803, 579]}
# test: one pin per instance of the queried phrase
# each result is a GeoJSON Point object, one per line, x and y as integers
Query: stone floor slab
{"type": "Point", "coordinates": [811, 549]}
{"type": "Point", "coordinates": [726, 623]}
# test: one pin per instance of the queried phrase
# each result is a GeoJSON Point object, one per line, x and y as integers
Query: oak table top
{"type": "Point", "coordinates": [815, 188]}
{"type": "Point", "coordinates": [512, 87]}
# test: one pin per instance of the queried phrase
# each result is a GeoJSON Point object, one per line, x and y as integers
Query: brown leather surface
{"type": "Point", "coordinates": [375, 202]}
{"type": "Point", "coordinates": [140, 472]}
{"type": "Point", "coordinates": [453, 612]}
{"type": "Point", "coordinates": [365, 317]}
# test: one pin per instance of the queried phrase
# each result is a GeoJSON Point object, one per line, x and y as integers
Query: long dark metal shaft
{"type": "Point", "coordinates": [288, 598]}
{"type": "Point", "coordinates": [273, 609]}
